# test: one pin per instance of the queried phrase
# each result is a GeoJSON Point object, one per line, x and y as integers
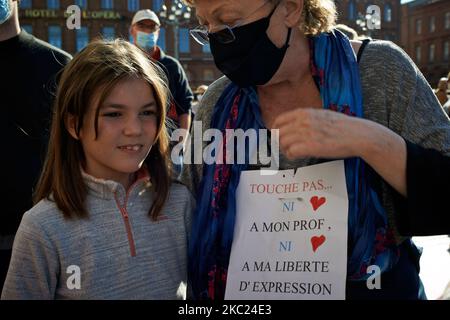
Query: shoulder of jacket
{"type": "Point", "coordinates": [386, 54]}
{"type": "Point", "coordinates": [43, 215]}
{"type": "Point", "coordinates": [210, 98]}
{"type": "Point", "coordinates": [178, 188]}
{"type": "Point", "coordinates": [60, 55]}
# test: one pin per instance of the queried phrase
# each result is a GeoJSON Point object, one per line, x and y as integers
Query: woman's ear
{"type": "Point", "coordinates": [71, 124]}
{"type": "Point", "coordinates": [293, 11]}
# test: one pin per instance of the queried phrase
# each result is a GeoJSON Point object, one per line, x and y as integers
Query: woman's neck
{"type": "Point", "coordinates": [293, 85]}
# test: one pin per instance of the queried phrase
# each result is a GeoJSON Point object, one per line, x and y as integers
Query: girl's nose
{"type": "Point", "coordinates": [133, 126]}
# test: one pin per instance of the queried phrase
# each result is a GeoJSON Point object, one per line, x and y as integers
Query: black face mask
{"type": "Point", "coordinates": [251, 59]}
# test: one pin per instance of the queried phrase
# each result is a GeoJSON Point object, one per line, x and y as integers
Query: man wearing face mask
{"type": "Point", "coordinates": [28, 67]}
{"type": "Point", "coordinates": [145, 31]}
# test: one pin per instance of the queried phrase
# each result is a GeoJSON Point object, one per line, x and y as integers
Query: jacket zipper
{"type": "Point", "coordinates": [126, 219]}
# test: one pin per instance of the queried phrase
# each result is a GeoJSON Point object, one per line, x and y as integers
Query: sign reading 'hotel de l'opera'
{"type": "Point", "coordinates": [46, 13]}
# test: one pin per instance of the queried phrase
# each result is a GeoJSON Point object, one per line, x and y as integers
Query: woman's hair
{"type": "Point", "coordinates": [317, 15]}
{"type": "Point", "coordinates": [94, 72]}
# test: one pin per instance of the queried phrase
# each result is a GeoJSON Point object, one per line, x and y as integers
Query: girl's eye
{"type": "Point", "coordinates": [148, 112]}
{"type": "Point", "coordinates": [112, 114]}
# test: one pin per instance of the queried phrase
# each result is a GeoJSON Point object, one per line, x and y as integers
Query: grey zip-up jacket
{"type": "Point", "coordinates": [116, 253]}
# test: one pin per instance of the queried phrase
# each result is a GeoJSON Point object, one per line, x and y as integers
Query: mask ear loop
{"type": "Point", "coordinates": [288, 38]}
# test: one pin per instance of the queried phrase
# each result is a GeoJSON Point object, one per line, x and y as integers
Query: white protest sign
{"type": "Point", "coordinates": [290, 235]}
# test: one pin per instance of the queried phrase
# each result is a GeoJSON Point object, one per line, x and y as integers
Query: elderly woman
{"type": "Point", "coordinates": [331, 98]}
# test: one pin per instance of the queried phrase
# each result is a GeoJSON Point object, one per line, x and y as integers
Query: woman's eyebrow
{"type": "Point", "coordinates": [217, 9]}
{"type": "Point", "coordinates": [215, 13]}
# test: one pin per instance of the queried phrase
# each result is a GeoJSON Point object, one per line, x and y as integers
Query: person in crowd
{"type": "Point", "coordinates": [108, 222]}
{"type": "Point", "coordinates": [144, 30]}
{"type": "Point", "coordinates": [29, 69]}
{"type": "Point", "coordinates": [441, 91]}
{"type": "Point", "coordinates": [446, 105]}
{"type": "Point", "coordinates": [286, 68]}
{"type": "Point", "coordinates": [198, 95]}
{"type": "Point", "coordinates": [427, 183]}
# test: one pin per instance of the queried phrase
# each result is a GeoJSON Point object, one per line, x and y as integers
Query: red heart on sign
{"type": "Point", "coordinates": [317, 202]}
{"type": "Point", "coordinates": [317, 242]}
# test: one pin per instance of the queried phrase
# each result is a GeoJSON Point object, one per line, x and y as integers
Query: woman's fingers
{"type": "Point", "coordinates": [316, 133]}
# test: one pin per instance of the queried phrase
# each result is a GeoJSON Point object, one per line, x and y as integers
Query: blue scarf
{"type": "Point", "coordinates": [335, 70]}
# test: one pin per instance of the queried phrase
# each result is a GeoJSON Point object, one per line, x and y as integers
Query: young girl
{"type": "Point", "coordinates": [107, 223]}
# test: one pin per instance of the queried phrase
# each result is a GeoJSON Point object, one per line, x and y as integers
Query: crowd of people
{"type": "Point", "coordinates": [92, 188]}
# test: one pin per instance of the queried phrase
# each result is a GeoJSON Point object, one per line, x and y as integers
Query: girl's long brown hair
{"type": "Point", "coordinates": [96, 70]}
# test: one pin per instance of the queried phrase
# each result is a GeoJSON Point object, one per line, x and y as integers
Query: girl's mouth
{"type": "Point", "coordinates": [131, 147]}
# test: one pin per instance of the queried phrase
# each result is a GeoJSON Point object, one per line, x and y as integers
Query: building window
{"type": "Point", "coordinates": [162, 39]}
{"type": "Point", "coordinates": [82, 38]}
{"type": "Point", "coordinates": [206, 48]}
{"type": "Point", "coordinates": [28, 28]}
{"type": "Point", "coordinates": [108, 33]}
{"type": "Point", "coordinates": [447, 20]}
{"type": "Point", "coordinates": [351, 10]}
{"type": "Point", "coordinates": [418, 54]}
{"type": "Point", "coordinates": [446, 50]}
{"type": "Point", "coordinates": [418, 26]}
{"type": "Point", "coordinates": [53, 4]}
{"type": "Point", "coordinates": [184, 40]}
{"type": "Point", "coordinates": [107, 4]}
{"type": "Point", "coordinates": [432, 24]}
{"type": "Point", "coordinates": [133, 5]}
{"type": "Point", "coordinates": [81, 3]}
{"type": "Point", "coordinates": [54, 36]}
{"type": "Point", "coordinates": [157, 4]}
{"type": "Point", "coordinates": [26, 4]}
{"type": "Point", "coordinates": [431, 53]}
{"type": "Point", "coordinates": [388, 13]}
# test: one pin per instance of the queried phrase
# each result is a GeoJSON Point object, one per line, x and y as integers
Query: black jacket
{"type": "Point", "coordinates": [426, 211]}
{"type": "Point", "coordinates": [28, 83]}
{"type": "Point", "coordinates": [178, 83]}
